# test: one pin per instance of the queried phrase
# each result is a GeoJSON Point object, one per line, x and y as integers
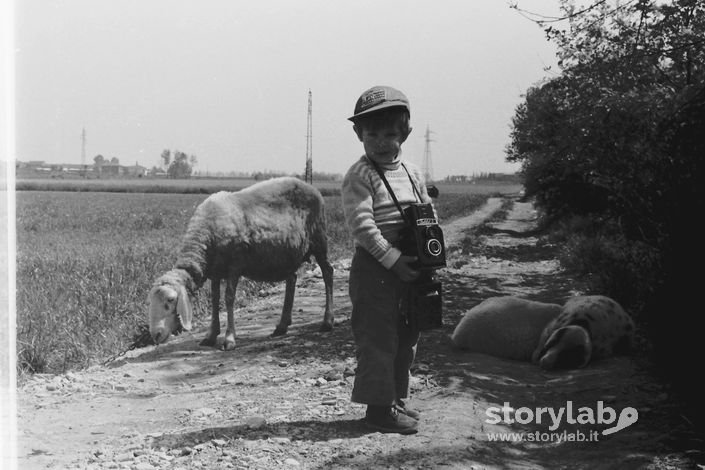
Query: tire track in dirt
{"type": "Point", "coordinates": [453, 231]}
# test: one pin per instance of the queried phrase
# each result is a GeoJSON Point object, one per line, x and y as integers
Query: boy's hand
{"type": "Point", "coordinates": [403, 269]}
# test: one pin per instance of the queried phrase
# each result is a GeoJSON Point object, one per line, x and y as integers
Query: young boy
{"type": "Point", "coordinates": [380, 274]}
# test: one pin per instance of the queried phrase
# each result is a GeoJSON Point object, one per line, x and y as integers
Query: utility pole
{"type": "Point", "coordinates": [308, 174]}
{"type": "Point", "coordinates": [427, 165]}
{"type": "Point", "coordinates": [83, 147]}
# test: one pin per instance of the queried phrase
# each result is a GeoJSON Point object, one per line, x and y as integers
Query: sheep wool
{"type": "Point", "coordinates": [263, 232]}
{"type": "Point", "coordinates": [507, 327]}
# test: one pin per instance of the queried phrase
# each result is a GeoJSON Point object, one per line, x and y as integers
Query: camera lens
{"type": "Point", "coordinates": [434, 247]}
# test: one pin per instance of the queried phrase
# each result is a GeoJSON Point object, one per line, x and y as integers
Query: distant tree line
{"type": "Point", "coordinates": [612, 151]}
{"type": "Point", "coordinates": [484, 177]}
{"type": "Point", "coordinates": [178, 164]}
{"type": "Point", "coordinates": [100, 160]}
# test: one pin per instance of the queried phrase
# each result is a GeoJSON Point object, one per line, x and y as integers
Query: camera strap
{"type": "Point", "coordinates": [389, 187]}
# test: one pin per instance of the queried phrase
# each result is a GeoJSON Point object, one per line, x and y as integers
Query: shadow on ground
{"type": "Point", "coordinates": [455, 389]}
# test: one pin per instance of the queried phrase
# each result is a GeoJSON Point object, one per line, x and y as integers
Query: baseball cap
{"type": "Point", "coordinates": [377, 98]}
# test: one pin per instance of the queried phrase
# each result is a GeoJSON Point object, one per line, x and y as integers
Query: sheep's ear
{"type": "Point", "coordinates": [183, 308]}
{"type": "Point", "coordinates": [540, 348]}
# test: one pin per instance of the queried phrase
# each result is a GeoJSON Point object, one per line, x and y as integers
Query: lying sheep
{"type": "Point", "coordinates": [506, 327]}
{"type": "Point", "coordinates": [264, 233]}
{"type": "Point", "coordinates": [590, 327]}
{"type": "Point", "coordinates": [584, 329]}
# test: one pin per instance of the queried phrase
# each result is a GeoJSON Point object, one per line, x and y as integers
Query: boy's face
{"type": "Point", "coordinates": [382, 143]}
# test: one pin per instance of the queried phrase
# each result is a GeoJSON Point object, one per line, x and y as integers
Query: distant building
{"type": "Point", "coordinates": [106, 169]}
{"type": "Point", "coordinates": [456, 179]}
{"type": "Point", "coordinates": [136, 170]}
{"type": "Point", "coordinates": [77, 168]}
{"type": "Point", "coordinates": [111, 169]}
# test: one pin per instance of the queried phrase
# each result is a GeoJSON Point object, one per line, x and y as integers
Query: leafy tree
{"type": "Point", "coordinates": [591, 140]}
{"type": "Point", "coordinates": [166, 157]}
{"type": "Point", "coordinates": [99, 161]}
{"type": "Point", "coordinates": [180, 167]}
{"type": "Point", "coordinates": [618, 137]}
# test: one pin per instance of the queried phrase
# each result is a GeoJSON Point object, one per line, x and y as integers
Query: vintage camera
{"type": "Point", "coordinates": [423, 237]}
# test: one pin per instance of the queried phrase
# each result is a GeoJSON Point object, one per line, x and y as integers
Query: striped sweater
{"type": "Point", "coordinates": [370, 212]}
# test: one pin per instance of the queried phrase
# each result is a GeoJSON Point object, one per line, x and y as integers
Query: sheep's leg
{"type": "Point", "coordinates": [230, 288]}
{"type": "Point", "coordinates": [285, 319]}
{"type": "Point", "coordinates": [327, 271]}
{"type": "Point", "coordinates": [214, 330]}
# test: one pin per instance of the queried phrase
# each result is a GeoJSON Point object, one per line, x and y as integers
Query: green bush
{"type": "Point", "coordinates": [611, 264]}
{"type": "Point", "coordinates": [618, 136]}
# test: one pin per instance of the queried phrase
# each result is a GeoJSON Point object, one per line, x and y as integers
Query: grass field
{"type": "Point", "coordinates": [148, 185]}
{"type": "Point", "coordinates": [211, 185]}
{"type": "Point", "coordinates": [86, 260]}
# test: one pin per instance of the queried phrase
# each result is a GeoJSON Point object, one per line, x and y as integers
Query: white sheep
{"type": "Point", "coordinates": [508, 327]}
{"type": "Point", "coordinates": [263, 232]}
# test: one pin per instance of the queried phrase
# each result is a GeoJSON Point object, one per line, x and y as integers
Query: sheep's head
{"type": "Point", "coordinates": [566, 348]}
{"type": "Point", "coordinates": [170, 311]}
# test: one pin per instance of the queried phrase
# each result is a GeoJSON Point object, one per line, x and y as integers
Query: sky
{"type": "Point", "coordinates": [228, 80]}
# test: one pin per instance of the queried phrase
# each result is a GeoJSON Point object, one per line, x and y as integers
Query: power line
{"type": "Point", "coordinates": [427, 164]}
{"type": "Point", "coordinates": [83, 146]}
{"type": "Point", "coordinates": [308, 174]}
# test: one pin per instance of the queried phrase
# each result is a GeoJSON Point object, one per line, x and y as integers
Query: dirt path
{"type": "Point", "coordinates": [453, 232]}
{"type": "Point", "coordinates": [285, 402]}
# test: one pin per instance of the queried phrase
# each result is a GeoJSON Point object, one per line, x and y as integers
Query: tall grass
{"type": "Point", "coordinates": [84, 265]}
{"type": "Point", "coordinates": [86, 261]}
{"type": "Point", "coordinates": [152, 185]}
{"type": "Point", "coordinates": [623, 269]}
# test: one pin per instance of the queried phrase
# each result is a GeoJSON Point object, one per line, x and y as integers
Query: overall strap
{"type": "Point", "coordinates": [413, 185]}
{"type": "Point", "coordinates": [389, 188]}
